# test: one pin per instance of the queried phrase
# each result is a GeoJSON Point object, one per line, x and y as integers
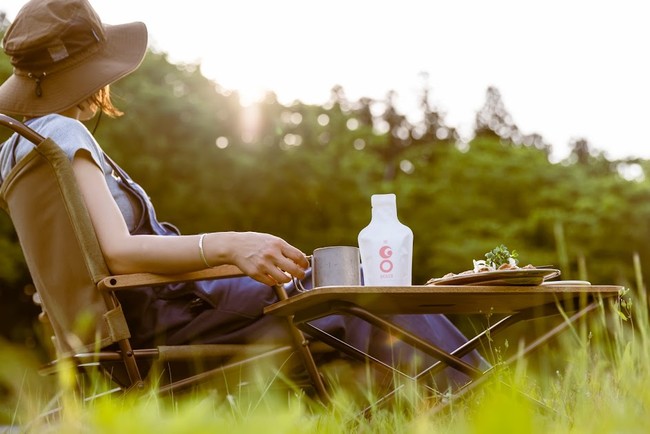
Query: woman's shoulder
{"type": "Point", "coordinates": [70, 134]}
{"type": "Point", "coordinates": [58, 125]}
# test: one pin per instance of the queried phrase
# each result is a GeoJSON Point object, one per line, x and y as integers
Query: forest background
{"type": "Point", "coordinates": [306, 173]}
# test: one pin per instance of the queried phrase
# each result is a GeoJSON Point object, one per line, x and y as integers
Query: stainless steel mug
{"type": "Point", "coordinates": [335, 266]}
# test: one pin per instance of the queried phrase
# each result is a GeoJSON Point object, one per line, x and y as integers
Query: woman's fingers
{"type": "Point", "coordinates": [281, 258]}
{"type": "Point", "coordinates": [271, 260]}
{"type": "Point", "coordinates": [273, 272]}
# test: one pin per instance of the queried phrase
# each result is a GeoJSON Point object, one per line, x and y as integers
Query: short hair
{"type": "Point", "coordinates": [101, 100]}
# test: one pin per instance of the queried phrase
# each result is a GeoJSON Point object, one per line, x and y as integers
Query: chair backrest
{"type": "Point", "coordinates": [65, 261]}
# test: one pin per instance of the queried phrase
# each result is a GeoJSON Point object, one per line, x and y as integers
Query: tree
{"type": "Point", "coordinates": [493, 119]}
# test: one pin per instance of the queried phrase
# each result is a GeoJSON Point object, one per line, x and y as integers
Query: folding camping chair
{"type": "Point", "coordinates": [77, 291]}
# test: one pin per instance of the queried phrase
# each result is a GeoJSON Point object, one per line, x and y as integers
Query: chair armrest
{"type": "Point", "coordinates": [128, 281]}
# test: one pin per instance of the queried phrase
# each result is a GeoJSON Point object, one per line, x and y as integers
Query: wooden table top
{"type": "Point", "coordinates": [447, 299]}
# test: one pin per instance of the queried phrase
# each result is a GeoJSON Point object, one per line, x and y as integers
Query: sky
{"type": "Point", "coordinates": [566, 69]}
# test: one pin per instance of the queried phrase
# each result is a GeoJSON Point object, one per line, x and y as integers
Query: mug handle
{"type": "Point", "coordinates": [297, 282]}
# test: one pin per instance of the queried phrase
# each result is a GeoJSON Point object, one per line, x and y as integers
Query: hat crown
{"type": "Point", "coordinates": [49, 31]}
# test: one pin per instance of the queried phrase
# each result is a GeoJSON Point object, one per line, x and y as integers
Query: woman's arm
{"type": "Point", "coordinates": [264, 257]}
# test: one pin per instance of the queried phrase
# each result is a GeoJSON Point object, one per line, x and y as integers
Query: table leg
{"type": "Point", "coordinates": [302, 346]}
{"type": "Point", "coordinates": [389, 327]}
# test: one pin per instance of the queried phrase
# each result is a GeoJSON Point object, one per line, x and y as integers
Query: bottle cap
{"type": "Point", "coordinates": [383, 200]}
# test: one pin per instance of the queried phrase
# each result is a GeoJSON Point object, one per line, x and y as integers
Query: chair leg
{"type": "Point", "coordinates": [131, 365]}
{"type": "Point", "coordinates": [128, 356]}
{"type": "Point", "coordinates": [302, 345]}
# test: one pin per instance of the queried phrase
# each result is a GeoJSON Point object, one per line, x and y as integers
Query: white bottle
{"type": "Point", "coordinates": [386, 245]}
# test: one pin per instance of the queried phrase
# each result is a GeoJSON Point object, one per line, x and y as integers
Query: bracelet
{"type": "Point", "coordinates": [201, 252]}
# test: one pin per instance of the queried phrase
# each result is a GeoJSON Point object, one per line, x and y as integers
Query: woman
{"type": "Point", "coordinates": [64, 60]}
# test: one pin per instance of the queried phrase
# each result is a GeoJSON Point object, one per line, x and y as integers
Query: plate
{"type": "Point", "coordinates": [522, 276]}
{"type": "Point", "coordinates": [568, 282]}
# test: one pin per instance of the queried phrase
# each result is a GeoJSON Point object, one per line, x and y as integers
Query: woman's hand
{"type": "Point", "coordinates": [264, 257]}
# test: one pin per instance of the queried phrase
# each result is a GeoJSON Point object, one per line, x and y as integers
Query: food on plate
{"type": "Point", "coordinates": [498, 259]}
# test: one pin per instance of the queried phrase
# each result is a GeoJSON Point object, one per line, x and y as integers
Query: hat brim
{"type": "Point", "coordinates": [121, 53]}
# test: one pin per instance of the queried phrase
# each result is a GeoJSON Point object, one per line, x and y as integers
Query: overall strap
{"type": "Point", "coordinates": [148, 223]}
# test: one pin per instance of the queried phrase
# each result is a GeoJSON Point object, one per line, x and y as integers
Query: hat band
{"type": "Point", "coordinates": [50, 68]}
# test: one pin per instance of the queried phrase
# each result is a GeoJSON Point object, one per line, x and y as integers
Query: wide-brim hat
{"type": "Point", "coordinates": [62, 54]}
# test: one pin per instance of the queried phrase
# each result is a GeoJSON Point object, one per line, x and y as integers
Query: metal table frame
{"type": "Point", "coordinates": [372, 304]}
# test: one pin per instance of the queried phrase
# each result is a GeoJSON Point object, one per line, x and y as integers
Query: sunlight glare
{"type": "Point", "coordinates": [442, 133]}
{"type": "Point", "coordinates": [418, 131]}
{"type": "Point", "coordinates": [291, 118]}
{"type": "Point", "coordinates": [291, 140]}
{"type": "Point", "coordinates": [401, 132]}
{"type": "Point", "coordinates": [296, 118]}
{"type": "Point", "coordinates": [631, 171]}
{"type": "Point", "coordinates": [381, 127]}
{"type": "Point", "coordinates": [249, 96]}
{"type": "Point", "coordinates": [323, 120]}
{"type": "Point", "coordinates": [406, 166]}
{"type": "Point", "coordinates": [352, 124]}
{"type": "Point", "coordinates": [250, 122]}
{"type": "Point", "coordinates": [222, 142]}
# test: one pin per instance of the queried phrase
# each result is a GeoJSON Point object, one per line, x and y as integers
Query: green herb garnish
{"type": "Point", "coordinates": [500, 255]}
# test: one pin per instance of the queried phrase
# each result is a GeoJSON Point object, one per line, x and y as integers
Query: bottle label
{"type": "Point", "coordinates": [386, 264]}
{"type": "Point", "coordinates": [387, 261]}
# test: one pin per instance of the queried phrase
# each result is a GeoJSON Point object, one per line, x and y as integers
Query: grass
{"type": "Point", "coordinates": [594, 378]}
